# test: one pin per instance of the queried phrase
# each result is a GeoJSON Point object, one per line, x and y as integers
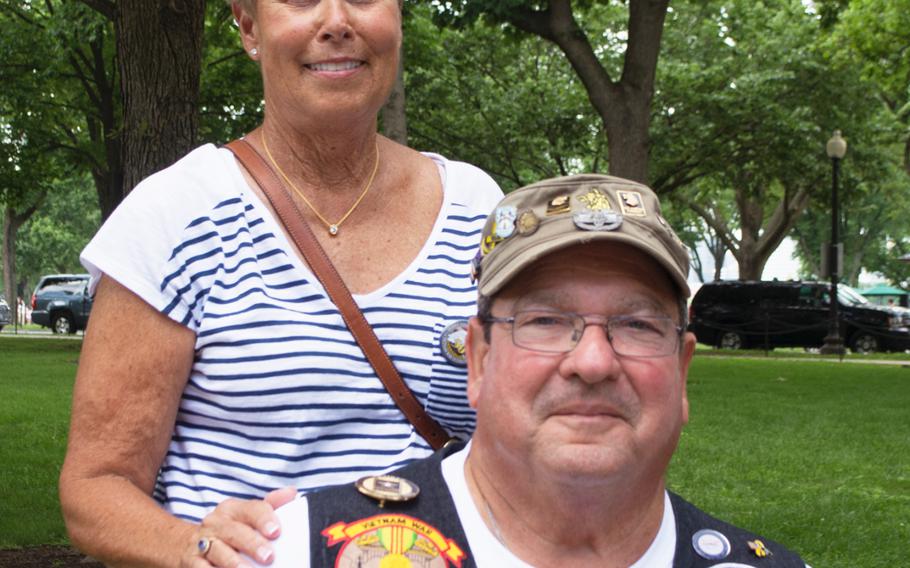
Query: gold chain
{"type": "Point", "coordinates": [333, 227]}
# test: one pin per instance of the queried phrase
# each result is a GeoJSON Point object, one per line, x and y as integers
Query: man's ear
{"type": "Point", "coordinates": [686, 351]}
{"type": "Point", "coordinates": [476, 350]}
{"type": "Point", "coordinates": [246, 23]}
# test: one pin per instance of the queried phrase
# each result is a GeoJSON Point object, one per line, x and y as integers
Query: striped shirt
{"type": "Point", "coordinates": [279, 392]}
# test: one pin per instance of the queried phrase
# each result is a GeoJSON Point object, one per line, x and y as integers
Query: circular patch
{"type": "Point", "coordinates": [452, 343]}
{"type": "Point", "coordinates": [711, 544]}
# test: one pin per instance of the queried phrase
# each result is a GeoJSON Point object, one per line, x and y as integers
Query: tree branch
{"type": "Point", "coordinates": [106, 8]}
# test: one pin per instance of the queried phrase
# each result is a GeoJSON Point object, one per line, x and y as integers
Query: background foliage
{"type": "Point", "coordinates": [746, 95]}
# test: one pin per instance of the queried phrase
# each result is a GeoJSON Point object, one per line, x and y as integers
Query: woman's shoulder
{"type": "Point", "coordinates": [466, 182]}
{"type": "Point", "coordinates": [170, 200]}
{"type": "Point", "coordinates": [203, 167]}
{"type": "Point", "coordinates": [205, 176]}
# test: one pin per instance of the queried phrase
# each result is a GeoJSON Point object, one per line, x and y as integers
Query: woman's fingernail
{"type": "Point", "coordinates": [271, 529]}
{"type": "Point", "coordinates": [263, 554]}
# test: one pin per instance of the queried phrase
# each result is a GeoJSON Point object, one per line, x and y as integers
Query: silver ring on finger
{"type": "Point", "coordinates": [205, 545]}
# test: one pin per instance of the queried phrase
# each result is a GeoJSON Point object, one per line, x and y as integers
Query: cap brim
{"type": "Point", "coordinates": [494, 282]}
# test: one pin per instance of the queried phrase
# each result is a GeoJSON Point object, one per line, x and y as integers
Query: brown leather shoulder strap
{"type": "Point", "coordinates": [325, 271]}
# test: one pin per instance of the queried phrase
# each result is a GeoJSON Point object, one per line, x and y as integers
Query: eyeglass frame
{"type": "Point", "coordinates": [605, 323]}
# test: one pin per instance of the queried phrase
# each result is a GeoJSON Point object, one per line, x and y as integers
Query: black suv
{"type": "Point", "coordinates": [739, 314]}
{"type": "Point", "coordinates": [62, 302]}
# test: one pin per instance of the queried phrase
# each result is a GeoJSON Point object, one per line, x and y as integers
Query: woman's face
{"type": "Point", "coordinates": [332, 60]}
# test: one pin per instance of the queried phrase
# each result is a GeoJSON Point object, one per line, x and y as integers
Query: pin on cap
{"type": "Point", "coordinates": [505, 221]}
{"type": "Point", "coordinates": [545, 217]}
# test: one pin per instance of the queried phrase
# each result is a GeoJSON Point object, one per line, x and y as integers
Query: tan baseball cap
{"type": "Point", "coordinates": [553, 214]}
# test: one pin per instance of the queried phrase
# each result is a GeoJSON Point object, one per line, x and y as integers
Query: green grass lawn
{"type": "Point", "coordinates": [813, 454]}
{"type": "Point", "coordinates": [10, 328]}
{"type": "Point", "coordinates": [36, 384]}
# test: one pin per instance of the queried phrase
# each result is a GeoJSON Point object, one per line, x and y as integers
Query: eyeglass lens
{"type": "Point", "coordinates": [560, 332]}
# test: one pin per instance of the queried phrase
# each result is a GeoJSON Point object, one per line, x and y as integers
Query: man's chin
{"type": "Point", "coordinates": [582, 458]}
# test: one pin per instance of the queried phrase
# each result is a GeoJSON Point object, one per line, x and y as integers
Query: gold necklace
{"type": "Point", "coordinates": [333, 227]}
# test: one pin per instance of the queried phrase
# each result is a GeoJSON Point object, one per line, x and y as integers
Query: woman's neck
{"type": "Point", "coordinates": [339, 159]}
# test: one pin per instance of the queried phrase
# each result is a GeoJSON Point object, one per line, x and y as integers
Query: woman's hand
{"type": "Point", "coordinates": [238, 527]}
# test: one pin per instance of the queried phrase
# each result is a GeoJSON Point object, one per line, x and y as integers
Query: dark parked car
{"type": "Point", "coordinates": [738, 314]}
{"type": "Point", "coordinates": [6, 315]}
{"type": "Point", "coordinates": [62, 302]}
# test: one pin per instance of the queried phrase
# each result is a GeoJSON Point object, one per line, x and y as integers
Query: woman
{"type": "Point", "coordinates": [215, 370]}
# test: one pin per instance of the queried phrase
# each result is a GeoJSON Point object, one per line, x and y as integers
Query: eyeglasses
{"type": "Point", "coordinates": [553, 331]}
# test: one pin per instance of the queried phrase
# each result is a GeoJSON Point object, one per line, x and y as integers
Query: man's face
{"type": "Point", "coordinates": [589, 413]}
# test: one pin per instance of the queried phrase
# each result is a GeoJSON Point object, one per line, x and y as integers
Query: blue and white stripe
{"type": "Point", "coordinates": [280, 393]}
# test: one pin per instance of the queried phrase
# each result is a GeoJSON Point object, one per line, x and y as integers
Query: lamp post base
{"type": "Point", "coordinates": [834, 345]}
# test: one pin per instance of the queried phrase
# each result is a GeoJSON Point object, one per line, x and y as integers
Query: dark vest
{"type": "Point", "coordinates": [427, 530]}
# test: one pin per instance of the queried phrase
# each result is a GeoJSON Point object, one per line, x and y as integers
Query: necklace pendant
{"type": "Point", "coordinates": [333, 230]}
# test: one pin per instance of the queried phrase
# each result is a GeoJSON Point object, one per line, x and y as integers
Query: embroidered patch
{"type": "Point", "coordinates": [393, 541]}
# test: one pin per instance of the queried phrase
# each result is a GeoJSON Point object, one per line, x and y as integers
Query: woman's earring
{"type": "Point", "coordinates": [254, 52]}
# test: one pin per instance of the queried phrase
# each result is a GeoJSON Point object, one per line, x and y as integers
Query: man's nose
{"type": "Point", "coordinates": [593, 359]}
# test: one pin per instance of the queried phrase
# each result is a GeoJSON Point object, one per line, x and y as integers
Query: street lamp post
{"type": "Point", "coordinates": [836, 149]}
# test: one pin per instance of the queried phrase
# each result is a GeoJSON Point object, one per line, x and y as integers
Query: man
{"type": "Point", "coordinates": [577, 365]}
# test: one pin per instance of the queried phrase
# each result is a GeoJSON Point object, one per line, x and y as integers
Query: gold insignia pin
{"type": "Point", "coordinates": [387, 488]}
{"type": "Point", "coordinates": [558, 205]}
{"type": "Point", "coordinates": [527, 222]}
{"type": "Point", "coordinates": [596, 200]}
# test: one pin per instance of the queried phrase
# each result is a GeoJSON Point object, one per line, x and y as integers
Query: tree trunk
{"type": "Point", "coordinates": [759, 238]}
{"type": "Point", "coordinates": [696, 265]}
{"type": "Point", "coordinates": [11, 223]}
{"type": "Point", "coordinates": [9, 258]}
{"type": "Point", "coordinates": [159, 45]}
{"type": "Point", "coordinates": [624, 105]}
{"type": "Point", "coordinates": [103, 131]}
{"type": "Point", "coordinates": [719, 253]}
{"type": "Point", "coordinates": [394, 119]}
